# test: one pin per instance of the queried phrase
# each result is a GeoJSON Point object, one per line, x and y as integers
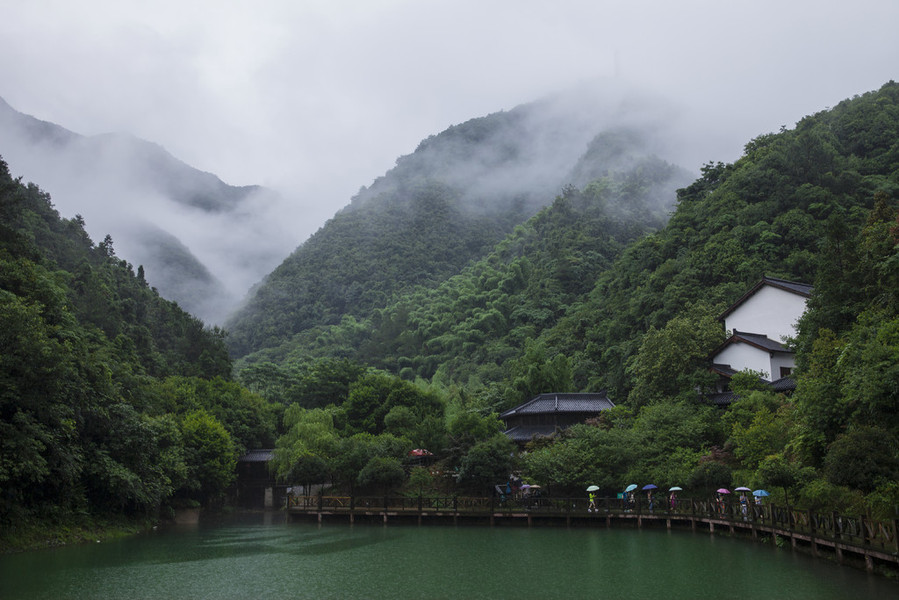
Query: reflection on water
{"type": "Point", "coordinates": [262, 556]}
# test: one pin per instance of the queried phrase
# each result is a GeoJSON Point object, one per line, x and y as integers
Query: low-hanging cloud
{"type": "Point", "coordinates": [316, 99]}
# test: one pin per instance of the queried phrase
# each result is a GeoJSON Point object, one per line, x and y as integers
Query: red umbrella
{"type": "Point", "coordinates": [420, 452]}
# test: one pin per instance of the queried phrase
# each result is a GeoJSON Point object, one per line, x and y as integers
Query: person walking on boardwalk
{"type": "Point", "coordinates": [592, 497]}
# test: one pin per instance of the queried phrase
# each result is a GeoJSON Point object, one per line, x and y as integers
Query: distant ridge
{"type": "Point", "coordinates": [196, 236]}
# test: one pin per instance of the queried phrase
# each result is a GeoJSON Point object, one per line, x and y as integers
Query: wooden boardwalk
{"type": "Point", "coordinates": [841, 536]}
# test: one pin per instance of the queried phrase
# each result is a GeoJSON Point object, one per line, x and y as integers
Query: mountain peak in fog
{"type": "Point", "coordinates": [156, 208]}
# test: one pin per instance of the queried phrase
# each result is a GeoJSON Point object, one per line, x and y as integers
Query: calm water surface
{"type": "Point", "coordinates": [262, 556]}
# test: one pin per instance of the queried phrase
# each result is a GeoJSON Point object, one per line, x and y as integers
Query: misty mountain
{"type": "Point", "coordinates": [198, 238]}
{"type": "Point", "coordinates": [597, 291]}
{"type": "Point", "coordinates": [449, 203]}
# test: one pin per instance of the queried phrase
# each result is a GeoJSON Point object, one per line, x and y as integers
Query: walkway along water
{"type": "Point", "coordinates": [874, 541]}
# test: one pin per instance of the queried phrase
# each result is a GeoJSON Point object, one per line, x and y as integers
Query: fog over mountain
{"type": "Point", "coordinates": [316, 98]}
{"type": "Point", "coordinates": [202, 242]}
{"type": "Point", "coordinates": [457, 195]}
{"type": "Point", "coordinates": [527, 152]}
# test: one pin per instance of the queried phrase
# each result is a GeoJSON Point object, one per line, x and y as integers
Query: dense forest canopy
{"type": "Point", "coordinates": [411, 322]}
{"type": "Point", "coordinates": [447, 204]}
{"type": "Point", "coordinates": [111, 398]}
{"type": "Point", "coordinates": [583, 297]}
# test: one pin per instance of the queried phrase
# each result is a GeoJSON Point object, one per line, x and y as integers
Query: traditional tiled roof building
{"type": "Point", "coordinates": [760, 323]}
{"type": "Point", "coordinates": [545, 414]}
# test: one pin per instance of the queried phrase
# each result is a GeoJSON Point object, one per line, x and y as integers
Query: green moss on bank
{"type": "Point", "coordinates": [36, 534]}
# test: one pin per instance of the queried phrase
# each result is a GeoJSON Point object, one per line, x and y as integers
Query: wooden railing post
{"type": "Point", "coordinates": [863, 529]}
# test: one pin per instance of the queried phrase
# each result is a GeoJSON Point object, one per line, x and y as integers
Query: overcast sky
{"type": "Point", "coordinates": [318, 97]}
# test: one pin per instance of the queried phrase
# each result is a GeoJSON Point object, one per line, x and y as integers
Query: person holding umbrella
{"type": "Point", "coordinates": [591, 495]}
{"type": "Point", "coordinates": [649, 489]}
{"type": "Point", "coordinates": [744, 501]}
{"type": "Point", "coordinates": [629, 501]}
{"type": "Point", "coordinates": [721, 492]}
{"type": "Point", "coordinates": [758, 495]}
{"type": "Point", "coordinates": [672, 499]}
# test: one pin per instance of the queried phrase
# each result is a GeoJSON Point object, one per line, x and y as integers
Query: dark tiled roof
{"type": "Point", "coordinates": [721, 398]}
{"type": "Point", "coordinates": [784, 384]}
{"type": "Point", "coordinates": [803, 289]}
{"type": "Point", "coordinates": [562, 403]}
{"type": "Point", "coordinates": [257, 456]}
{"type": "Point", "coordinates": [758, 340]}
{"type": "Point", "coordinates": [526, 433]}
{"type": "Point", "coordinates": [725, 370]}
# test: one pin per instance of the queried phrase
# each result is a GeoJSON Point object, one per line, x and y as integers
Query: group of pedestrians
{"type": "Point", "coordinates": [629, 500]}
{"type": "Point", "coordinates": [743, 501]}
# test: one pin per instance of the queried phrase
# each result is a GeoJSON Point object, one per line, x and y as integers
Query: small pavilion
{"type": "Point", "coordinates": [546, 414]}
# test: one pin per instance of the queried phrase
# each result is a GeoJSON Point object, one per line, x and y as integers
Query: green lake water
{"type": "Point", "coordinates": [264, 556]}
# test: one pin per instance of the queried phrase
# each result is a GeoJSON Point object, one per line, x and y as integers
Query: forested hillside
{"type": "Point", "coordinates": [112, 399]}
{"type": "Point", "coordinates": [411, 321]}
{"type": "Point", "coordinates": [558, 284]}
{"type": "Point", "coordinates": [569, 302]}
{"type": "Point", "coordinates": [469, 329]}
{"type": "Point", "coordinates": [446, 204]}
{"type": "Point", "coordinates": [155, 207]}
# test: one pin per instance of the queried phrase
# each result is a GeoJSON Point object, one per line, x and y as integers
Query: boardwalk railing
{"type": "Point", "coordinates": [841, 532]}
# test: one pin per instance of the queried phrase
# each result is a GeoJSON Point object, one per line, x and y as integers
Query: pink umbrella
{"type": "Point", "coordinates": [723, 491]}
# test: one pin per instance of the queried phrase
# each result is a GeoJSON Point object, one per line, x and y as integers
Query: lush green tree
{"type": "Point", "coordinates": [310, 438]}
{"type": "Point", "coordinates": [674, 359]}
{"type": "Point", "coordinates": [309, 469]}
{"type": "Point", "coordinates": [863, 458]}
{"type": "Point", "coordinates": [777, 470]}
{"type": "Point", "coordinates": [210, 456]}
{"type": "Point", "coordinates": [488, 463]}
{"type": "Point", "coordinates": [381, 473]}
{"type": "Point", "coordinates": [536, 372]}
{"type": "Point", "coordinates": [584, 456]}
{"type": "Point", "coordinates": [710, 475]}
{"type": "Point", "coordinates": [420, 478]}
{"type": "Point", "coordinates": [760, 424]}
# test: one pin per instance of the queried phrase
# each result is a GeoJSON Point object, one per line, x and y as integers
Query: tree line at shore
{"type": "Point", "coordinates": [115, 400]}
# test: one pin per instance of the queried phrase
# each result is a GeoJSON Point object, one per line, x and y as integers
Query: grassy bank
{"type": "Point", "coordinates": [34, 534]}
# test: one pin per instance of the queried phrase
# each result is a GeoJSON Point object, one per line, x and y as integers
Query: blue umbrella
{"type": "Point", "coordinates": [631, 487]}
{"type": "Point", "coordinates": [650, 487]}
{"type": "Point", "coordinates": [761, 493]}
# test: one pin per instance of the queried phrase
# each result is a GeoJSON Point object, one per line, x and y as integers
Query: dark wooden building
{"type": "Point", "coordinates": [548, 413]}
{"type": "Point", "coordinates": [256, 485]}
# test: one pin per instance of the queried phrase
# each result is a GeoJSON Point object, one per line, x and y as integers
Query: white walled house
{"type": "Point", "coordinates": [758, 353]}
{"type": "Point", "coordinates": [772, 308]}
{"type": "Point", "coordinates": [759, 324]}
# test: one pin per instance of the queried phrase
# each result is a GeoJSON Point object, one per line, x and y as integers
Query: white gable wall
{"type": "Point", "coordinates": [742, 356]}
{"type": "Point", "coordinates": [782, 360]}
{"type": "Point", "coordinates": [770, 311]}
